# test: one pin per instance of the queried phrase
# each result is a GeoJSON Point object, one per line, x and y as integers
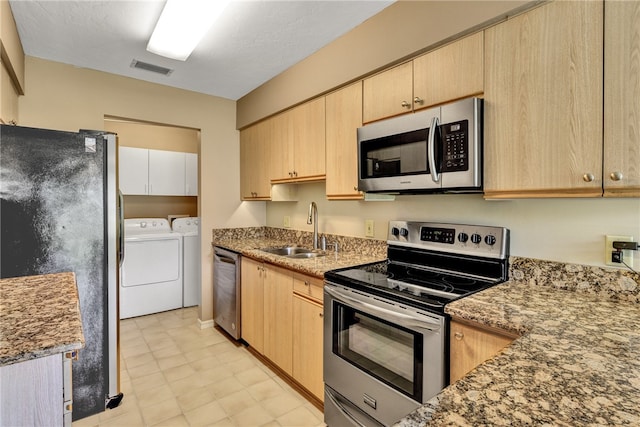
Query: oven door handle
{"type": "Point", "coordinates": [386, 314]}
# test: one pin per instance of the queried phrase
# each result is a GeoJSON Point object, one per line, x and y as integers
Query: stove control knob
{"type": "Point", "coordinates": [404, 232]}
{"type": "Point", "coordinates": [463, 237]}
{"type": "Point", "coordinates": [476, 238]}
{"type": "Point", "coordinates": [395, 231]}
{"type": "Point", "coordinates": [490, 240]}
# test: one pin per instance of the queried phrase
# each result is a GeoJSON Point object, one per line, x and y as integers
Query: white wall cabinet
{"type": "Point", "coordinates": [146, 172]}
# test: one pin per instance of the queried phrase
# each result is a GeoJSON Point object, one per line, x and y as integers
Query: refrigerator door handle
{"type": "Point", "coordinates": [121, 226]}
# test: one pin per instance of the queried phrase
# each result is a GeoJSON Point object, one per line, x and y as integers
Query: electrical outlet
{"type": "Point", "coordinates": [368, 228]}
{"type": "Point", "coordinates": [608, 250]}
{"type": "Point", "coordinates": [287, 221]}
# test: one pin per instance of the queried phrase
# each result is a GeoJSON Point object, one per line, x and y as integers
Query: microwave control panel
{"type": "Point", "coordinates": [455, 144]}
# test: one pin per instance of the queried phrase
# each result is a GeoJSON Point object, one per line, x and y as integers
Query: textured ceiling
{"type": "Point", "coordinates": [253, 41]}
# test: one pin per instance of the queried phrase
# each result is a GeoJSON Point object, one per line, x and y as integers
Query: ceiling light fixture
{"type": "Point", "coordinates": [182, 24]}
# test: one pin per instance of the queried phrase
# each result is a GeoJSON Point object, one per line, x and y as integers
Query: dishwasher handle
{"type": "Point", "coordinates": [223, 255]}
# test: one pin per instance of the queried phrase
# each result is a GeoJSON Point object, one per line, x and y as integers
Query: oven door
{"type": "Point", "coordinates": [382, 358]}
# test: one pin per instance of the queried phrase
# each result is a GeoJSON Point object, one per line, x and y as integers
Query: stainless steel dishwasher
{"type": "Point", "coordinates": [226, 290]}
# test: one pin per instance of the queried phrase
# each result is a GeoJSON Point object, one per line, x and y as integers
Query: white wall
{"type": "Point", "coordinates": [567, 230]}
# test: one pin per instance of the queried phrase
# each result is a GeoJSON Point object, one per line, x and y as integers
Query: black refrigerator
{"type": "Point", "coordinates": [61, 211]}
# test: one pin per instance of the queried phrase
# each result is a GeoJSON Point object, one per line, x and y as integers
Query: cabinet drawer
{"type": "Point", "coordinates": [308, 286]}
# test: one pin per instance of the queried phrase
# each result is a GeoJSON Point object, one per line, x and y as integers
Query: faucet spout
{"type": "Point", "coordinates": [313, 219]}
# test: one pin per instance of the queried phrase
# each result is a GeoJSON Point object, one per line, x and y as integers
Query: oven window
{"type": "Point", "coordinates": [390, 353]}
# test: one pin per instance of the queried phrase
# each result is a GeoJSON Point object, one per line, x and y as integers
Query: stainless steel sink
{"type": "Point", "coordinates": [293, 252]}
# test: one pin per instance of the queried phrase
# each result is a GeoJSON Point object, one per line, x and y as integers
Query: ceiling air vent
{"type": "Point", "coordinates": [150, 67]}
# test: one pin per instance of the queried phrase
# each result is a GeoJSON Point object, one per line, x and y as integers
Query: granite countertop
{"type": "Point", "coordinates": [577, 361]}
{"type": "Point", "coordinates": [316, 266]}
{"type": "Point", "coordinates": [39, 316]}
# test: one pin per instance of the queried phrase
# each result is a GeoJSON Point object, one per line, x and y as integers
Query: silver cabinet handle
{"type": "Point", "coordinates": [459, 335]}
{"type": "Point", "coordinates": [588, 177]}
{"type": "Point", "coordinates": [418, 100]}
{"type": "Point", "coordinates": [405, 104]}
{"type": "Point", "coordinates": [616, 176]}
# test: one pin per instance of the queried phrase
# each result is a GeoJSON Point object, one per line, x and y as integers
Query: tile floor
{"type": "Point", "coordinates": [175, 374]}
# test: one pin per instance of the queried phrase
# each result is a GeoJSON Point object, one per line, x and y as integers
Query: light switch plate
{"type": "Point", "coordinates": [608, 249]}
{"type": "Point", "coordinates": [368, 228]}
{"type": "Point", "coordinates": [287, 221]}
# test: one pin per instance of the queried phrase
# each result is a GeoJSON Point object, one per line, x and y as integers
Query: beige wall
{"type": "Point", "coordinates": [399, 31]}
{"type": "Point", "coordinates": [63, 97]}
{"type": "Point", "coordinates": [566, 230]}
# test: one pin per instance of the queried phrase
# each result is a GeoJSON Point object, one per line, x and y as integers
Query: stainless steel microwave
{"type": "Point", "coordinates": [432, 151]}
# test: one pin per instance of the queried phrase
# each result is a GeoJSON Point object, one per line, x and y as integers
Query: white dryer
{"type": "Point", "coordinates": [189, 228]}
{"type": "Point", "coordinates": [151, 273]}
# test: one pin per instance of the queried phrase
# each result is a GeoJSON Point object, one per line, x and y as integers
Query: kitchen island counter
{"type": "Point", "coordinates": [39, 316]}
{"type": "Point", "coordinates": [577, 361]}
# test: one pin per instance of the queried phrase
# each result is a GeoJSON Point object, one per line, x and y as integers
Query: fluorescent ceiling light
{"type": "Point", "coordinates": [182, 24]}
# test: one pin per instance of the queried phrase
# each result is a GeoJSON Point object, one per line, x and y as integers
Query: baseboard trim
{"type": "Point", "coordinates": [206, 324]}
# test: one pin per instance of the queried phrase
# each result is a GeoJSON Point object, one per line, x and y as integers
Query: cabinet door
{"type": "Point", "coordinates": [278, 328]}
{"type": "Point", "coordinates": [470, 346]}
{"type": "Point", "coordinates": [389, 93]}
{"type": "Point", "coordinates": [133, 170]}
{"type": "Point", "coordinates": [279, 134]}
{"type": "Point", "coordinates": [543, 103]}
{"type": "Point", "coordinates": [622, 99]}
{"type": "Point", "coordinates": [307, 345]}
{"type": "Point", "coordinates": [254, 163]}
{"type": "Point", "coordinates": [451, 72]}
{"type": "Point", "coordinates": [344, 117]}
{"type": "Point", "coordinates": [252, 303]}
{"type": "Point", "coordinates": [191, 174]}
{"type": "Point", "coordinates": [166, 173]}
{"type": "Point", "coordinates": [308, 133]}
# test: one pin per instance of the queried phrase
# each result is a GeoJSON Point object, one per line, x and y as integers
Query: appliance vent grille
{"type": "Point", "coordinates": [151, 67]}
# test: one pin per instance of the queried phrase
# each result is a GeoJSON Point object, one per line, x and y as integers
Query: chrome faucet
{"type": "Point", "coordinates": [313, 219]}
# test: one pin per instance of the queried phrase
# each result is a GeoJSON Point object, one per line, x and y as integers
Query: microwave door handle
{"type": "Point", "coordinates": [431, 150]}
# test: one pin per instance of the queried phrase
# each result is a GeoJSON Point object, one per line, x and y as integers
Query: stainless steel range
{"type": "Point", "coordinates": [385, 329]}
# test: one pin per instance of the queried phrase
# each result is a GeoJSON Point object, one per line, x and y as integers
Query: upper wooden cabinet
{"type": "Point", "coordinates": [254, 162]}
{"type": "Point", "coordinates": [544, 104]}
{"type": "Point", "coordinates": [451, 72]}
{"type": "Point", "coordinates": [298, 143]}
{"type": "Point", "coordinates": [622, 99]}
{"type": "Point", "coordinates": [388, 94]}
{"type": "Point", "coordinates": [344, 117]}
{"type": "Point", "coordinates": [470, 345]}
{"type": "Point", "coordinates": [445, 74]}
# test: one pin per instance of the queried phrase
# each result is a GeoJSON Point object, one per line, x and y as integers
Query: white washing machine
{"type": "Point", "coordinates": [189, 228]}
{"type": "Point", "coordinates": [151, 273]}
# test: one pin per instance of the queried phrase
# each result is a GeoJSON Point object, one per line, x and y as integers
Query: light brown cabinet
{"type": "Point", "coordinates": [544, 104]}
{"type": "Point", "coordinates": [278, 327]}
{"type": "Point", "coordinates": [254, 162]}
{"type": "Point", "coordinates": [471, 345]}
{"type": "Point", "coordinates": [343, 118]}
{"type": "Point", "coordinates": [297, 149]}
{"type": "Point", "coordinates": [252, 303]}
{"type": "Point", "coordinates": [621, 99]}
{"type": "Point", "coordinates": [445, 74]}
{"type": "Point", "coordinates": [448, 73]}
{"type": "Point", "coordinates": [307, 334]}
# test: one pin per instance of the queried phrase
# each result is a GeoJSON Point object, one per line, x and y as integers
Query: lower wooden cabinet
{"type": "Point", "coordinates": [307, 334]}
{"type": "Point", "coordinates": [282, 320]}
{"type": "Point", "coordinates": [471, 345]}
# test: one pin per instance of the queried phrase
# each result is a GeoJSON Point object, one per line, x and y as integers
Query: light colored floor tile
{"type": "Point", "coordinates": [206, 414]}
{"type": "Point", "coordinates": [253, 416]}
{"type": "Point", "coordinates": [161, 411]}
{"type": "Point", "coordinates": [175, 374]}
{"type": "Point", "coordinates": [298, 417]}
{"type": "Point", "coordinates": [236, 402]}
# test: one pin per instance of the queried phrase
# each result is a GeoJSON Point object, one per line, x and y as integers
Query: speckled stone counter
{"type": "Point", "coordinates": [577, 362]}
{"type": "Point", "coordinates": [39, 316]}
{"type": "Point", "coordinates": [352, 250]}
